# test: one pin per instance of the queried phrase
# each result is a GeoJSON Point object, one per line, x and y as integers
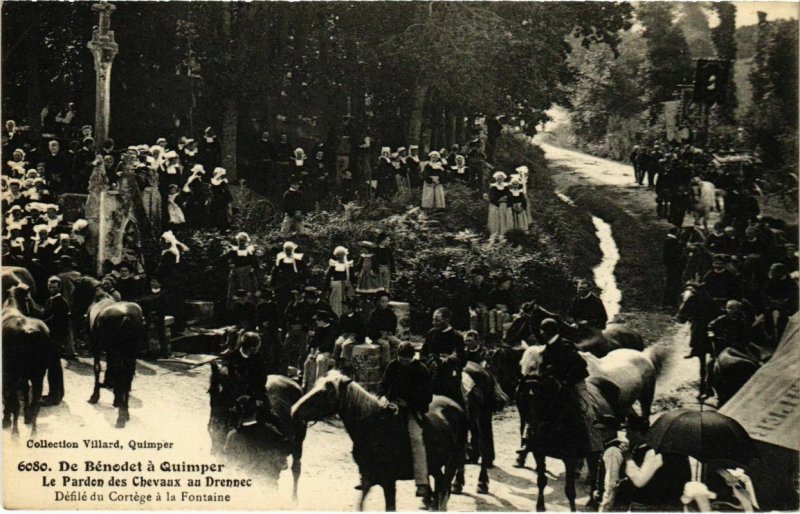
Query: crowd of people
{"type": "Point", "coordinates": [745, 265]}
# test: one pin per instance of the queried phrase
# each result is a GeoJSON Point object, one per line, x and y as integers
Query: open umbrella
{"type": "Point", "coordinates": [703, 435]}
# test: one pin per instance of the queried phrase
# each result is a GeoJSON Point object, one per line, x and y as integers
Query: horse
{"type": "Point", "coordinates": [117, 329]}
{"type": "Point", "coordinates": [614, 337]}
{"type": "Point", "coordinates": [703, 196]}
{"type": "Point", "coordinates": [699, 309]}
{"type": "Point", "coordinates": [502, 362]}
{"type": "Point", "coordinates": [282, 393]}
{"type": "Point", "coordinates": [730, 371]}
{"type": "Point", "coordinates": [615, 382]}
{"type": "Point", "coordinates": [26, 347]}
{"type": "Point", "coordinates": [381, 446]}
{"type": "Point", "coordinates": [478, 393]}
{"type": "Point", "coordinates": [16, 275]}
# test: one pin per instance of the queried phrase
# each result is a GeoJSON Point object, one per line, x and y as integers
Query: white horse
{"type": "Point", "coordinates": [704, 200]}
{"type": "Point", "coordinates": [631, 371]}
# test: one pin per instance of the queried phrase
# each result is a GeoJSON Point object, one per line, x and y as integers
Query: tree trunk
{"type": "Point", "coordinates": [230, 120]}
{"type": "Point", "coordinates": [461, 137]}
{"type": "Point", "coordinates": [417, 114]}
{"type": "Point", "coordinates": [452, 129]}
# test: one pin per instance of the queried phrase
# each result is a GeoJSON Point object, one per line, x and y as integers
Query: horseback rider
{"type": "Point", "coordinates": [587, 309]}
{"type": "Point", "coordinates": [248, 373]}
{"type": "Point", "coordinates": [562, 363]}
{"type": "Point", "coordinates": [405, 389]}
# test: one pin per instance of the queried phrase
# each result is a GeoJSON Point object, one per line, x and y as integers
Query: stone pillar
{"type": "Point", "coordinates": [104, 49]}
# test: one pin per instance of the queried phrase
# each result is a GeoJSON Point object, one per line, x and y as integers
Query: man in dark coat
{"type": "Point", "coordinates": [406, 389]}
{"type": "Point", "coordinates": [294, 207]}
{"type": "Point", "coordinates": [57, 167]}
{"type": "Point", "coordinates": [154, 306]}
{"type": "Point", "coordinates": [57, 318]}
{"type": "Point", "coordinates": [730, 329]}
{"type": "Point", "coordinates": [720, 283]}
{"type": "Point", "coordinates": [443, 339]}
{"type": "Point", "coordinates": [587, 309]}
{"type": "Point", "coordinates": [674, 264]}
{"type": "Point", "coordinates": [320, 348]}
{"type": "Point", "coordinates": [526, 324]}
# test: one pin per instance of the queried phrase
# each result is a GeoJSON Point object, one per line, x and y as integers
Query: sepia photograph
{"type": "Point", "coordinates": [382, 255]}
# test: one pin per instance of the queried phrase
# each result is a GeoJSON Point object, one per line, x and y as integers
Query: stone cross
{"type": "Point", "coordinates": [104, 49]}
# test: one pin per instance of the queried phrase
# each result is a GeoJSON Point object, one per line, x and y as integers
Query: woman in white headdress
{"type": "Point", "coordinates": [243, 265]}
{"type": "Point", "coordinates": [338, 280]}
{"type": "Point", "coordinates": [518, 205]}
{"type": "Point", "coordinates": [499, 219]}
{"type": "Point", "coordinates": [433, 177]}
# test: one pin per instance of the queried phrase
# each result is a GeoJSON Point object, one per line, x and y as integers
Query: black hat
{"type": "Point", "coordinates": [66, 260]}
{"type": "Point", "coordinates": [240, 292]}
{"type": "Point", "coordinates": [323, 316]}
{"type": "Point", "coordinates": [406, 349]}
{"type": "Point", "coordinates": [311, 290]}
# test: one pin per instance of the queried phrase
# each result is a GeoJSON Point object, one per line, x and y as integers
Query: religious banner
{"type": "Point", "coordinates": [671, 112]}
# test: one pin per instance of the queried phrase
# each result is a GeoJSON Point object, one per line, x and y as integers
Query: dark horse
{"type": "Point", "coordinates": [26, 347]}
{"type": "Point", "coordinates": [731, 370]}
{"type": "Point", "coordinates": [476, 391]}
{"type": "Point", "coordinates": [118, 330]}
{"type": "Point", "coordinates": [282, 393]}
{"type": "Point", "coordinates": [558, 428]}
{"type": "Point", "coordinates": [381, 446]}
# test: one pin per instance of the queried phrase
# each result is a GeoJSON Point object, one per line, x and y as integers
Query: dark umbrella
{"type": "Point", "coordinates": [704, 435]}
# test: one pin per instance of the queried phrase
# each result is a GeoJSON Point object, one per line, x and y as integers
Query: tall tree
{"type": "Point", "coordinates": [668, 55]}
{"type": "Point", "coordinates": [694, 24]}
{"type": "Point", "coordinates": [724, 37]}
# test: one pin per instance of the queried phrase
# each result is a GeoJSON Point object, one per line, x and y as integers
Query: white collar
{"type": "Point", "coordinates": [448, 329]}
{"type": "Point", "coordinates": [250, 250]}
{"type": "Point", "coordinates": [553, 339]}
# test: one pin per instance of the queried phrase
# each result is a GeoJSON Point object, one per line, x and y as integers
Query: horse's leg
{"type": "Point", "coordinates": [297, 464]}
{"type": "Point", "coordinates": [592, 461]}
{"type": "Point", "coordinates": [541, 479]}
{"type": "Point", "coordinates": [37, 385]}
{"type": "Point", "coordinates": [365, 487]}
{"type": "Point", "coordinates": [96, 368]}
{"type": "Point", "coordinates": [458, 485]}
{"type": "Point", "coordinates": [487, 450]}
{"type": "Point", "coordinates": [390, 496]}
{"type": "Point", "coordinates": [571, 466]}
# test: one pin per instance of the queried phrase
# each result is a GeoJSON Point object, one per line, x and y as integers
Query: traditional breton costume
{"type": "Point", "coordinates": [519, 205]}
{"type": "Point", "coordinates": [369, 282]}
{"type": "Point", "coordinates": [337, 279]}
{"type": "Point", "coordinates": [432, 188]}
{"type": "Point", "coordinates": [244, 270]}
{"type": "Point", "coordinates": [499, 220]}
{"type": "Point", "coordinates": [221, 198]}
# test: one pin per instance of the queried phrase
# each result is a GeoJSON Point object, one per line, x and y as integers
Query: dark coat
{"type": "Point", "coordinates": [561, 360]}
{"type": "Point", "coordinates": [56, 317]}
{"type": "Point", "coordinates": [409, 383]}
{"type": "Point", "coordinates": [438, 342]}
{"type": "Point", "coordinates": [590, 309]}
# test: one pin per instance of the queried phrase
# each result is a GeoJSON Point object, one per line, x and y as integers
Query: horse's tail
{"type": "Point", "coordinates": [657, 353]}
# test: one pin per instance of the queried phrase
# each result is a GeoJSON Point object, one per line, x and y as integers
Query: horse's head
{"type": "Point", "coordinates": [323, 399]}
{"type": "Point", "coordinates": [531, 360]}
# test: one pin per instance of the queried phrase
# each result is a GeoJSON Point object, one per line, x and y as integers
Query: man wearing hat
{"type": "Point", "coordinates": [405, 389]}
{"type": "Point", "coordinates": [720, 282]}
{"type": "Point", "coordinates": [79, 182]}
{"type": "Point", "coordinates": [243, 310]}
{"type": "Point", "coordinates": [294, 208]}
{"type": "Point", "coordinates": [384, 173]}
{"type": "Point", "coordinates": [56, 316]}
{"type": "Point", "coordinates": [56, 165]}
{"type": "Point", "coordinates": [320, 349]}
{"type": "Point", "coordinates": [294, 344]}
{"type": "Point", "coordinates": [587, 309]}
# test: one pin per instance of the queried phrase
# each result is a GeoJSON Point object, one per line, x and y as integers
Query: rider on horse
{"type": "Point", "coordinates": [248, 374]}
{"type": "Point", "coordinates": [562, 363]}
{"type": "Point", "coordinates": [406, 390]}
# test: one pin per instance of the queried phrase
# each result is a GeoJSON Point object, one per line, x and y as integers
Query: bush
{"type": "Point", "coordinates": [435, 253]}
